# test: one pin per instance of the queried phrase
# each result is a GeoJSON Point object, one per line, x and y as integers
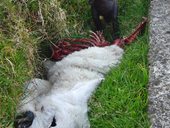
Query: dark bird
{"type": "Point", "coordinates": [108, 9]}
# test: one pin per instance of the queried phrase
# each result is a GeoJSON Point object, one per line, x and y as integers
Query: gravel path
{"type": "Point", "coordinates": [159, 60]}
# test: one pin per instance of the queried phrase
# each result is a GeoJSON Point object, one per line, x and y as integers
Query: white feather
{"type": "Point", "coordinates": [70, 84]}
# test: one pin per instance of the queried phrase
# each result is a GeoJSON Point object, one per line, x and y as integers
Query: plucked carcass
{"type": "Point", "coordinates": [61, 100]}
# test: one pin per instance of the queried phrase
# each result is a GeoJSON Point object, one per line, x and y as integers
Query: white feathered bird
{"type": "Point", "coordinates": [61, 101]}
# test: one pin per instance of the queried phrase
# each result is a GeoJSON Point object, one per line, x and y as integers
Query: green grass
{"type": "Point", "coordinates": [119, 102]}
{"type": "Point", "coordinates": [11, 76]}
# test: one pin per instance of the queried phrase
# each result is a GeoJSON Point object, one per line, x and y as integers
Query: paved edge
{"type": "Point", "coordinates": [159, 64]}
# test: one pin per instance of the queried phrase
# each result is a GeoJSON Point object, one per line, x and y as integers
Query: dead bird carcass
{"type": "Point", "coordinates": [61, 100]}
